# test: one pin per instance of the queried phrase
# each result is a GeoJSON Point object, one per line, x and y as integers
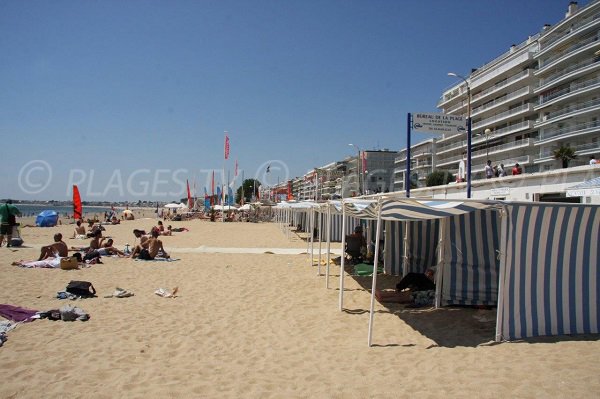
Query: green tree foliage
{"type": "Point", "coordinates": [439, 178]}
{"type": "Point", "coordinates": [248, 186]}
{"type": "Point", "coordinates": [565, 154]}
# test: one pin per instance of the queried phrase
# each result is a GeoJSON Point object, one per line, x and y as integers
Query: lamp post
{"type": "Point", "coordinates": [487, 151]}
{"type": "Point", "coordinates": [468, 130]}
{"type": "Point", "coordinates": [358, 167]}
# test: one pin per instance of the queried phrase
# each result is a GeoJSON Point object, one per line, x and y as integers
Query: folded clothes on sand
{"type": "Point", "coordinates": [165, 293]}
{"type": "Point", "coordinates": [120, 293]}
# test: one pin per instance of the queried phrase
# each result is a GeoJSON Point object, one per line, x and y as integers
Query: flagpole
{"type": "Point", "coordinates": [222, 189]}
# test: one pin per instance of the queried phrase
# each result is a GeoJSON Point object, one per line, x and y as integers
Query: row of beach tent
{"type": "Point", "coordinates": [537, 263]}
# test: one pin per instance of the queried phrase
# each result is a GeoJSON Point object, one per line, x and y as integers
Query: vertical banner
{"type": "Point", "coordinates": [236, 169]}
{"type": "Point", "coordinates": [189, 195]}
{"type": "Point", "coordinates": [226, 147]}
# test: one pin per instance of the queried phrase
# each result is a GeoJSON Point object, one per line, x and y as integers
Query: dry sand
{"type": "Point", "coordinates": [260, 326]}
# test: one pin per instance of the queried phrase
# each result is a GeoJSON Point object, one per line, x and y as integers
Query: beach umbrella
{"type": "Point", "coordinates": [47, 218]}
{"type": "Point", "coordinates": [245, 207]}
{"type": "Point", "coordinates": [175, 206]}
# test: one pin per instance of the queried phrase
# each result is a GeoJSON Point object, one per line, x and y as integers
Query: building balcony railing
{"type": "Point", "coordinates": [496, 149]}
{"type": "Point", "coordinates": [502, 84]}
{"type": "Point", "coordinates": [507, 114]}
{"type": "Point", "coordinates": [582, 149]}
{"type": "Point", "coordinates": [516, 127]}
{"type": "Point", "coordinates": [546, 63]}
{"type": "Point", "coordinates": [557, 76]}
{"type": "Point", "coordinates": [573, 88]}
{"type": "Point", "coordinates": [575, 29]}
{"type": "Point", "coordinates": [578, 129]}
{"type": "Point", "coordinates": [569, 111]}
{"type": "Point", "coordinates": [502, 100]}
{"type": "Point", "coordinates": [522, 160]}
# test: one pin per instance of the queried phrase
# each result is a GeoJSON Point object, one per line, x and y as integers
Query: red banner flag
{"type": "Point", "coordinates": [189, 195]}
{"type": "Point", "coordinates": [226, 147]}
{"type": "Point", "coordinates": [212, 188]}
{"type": "Point", "coordinates": [77, 207]}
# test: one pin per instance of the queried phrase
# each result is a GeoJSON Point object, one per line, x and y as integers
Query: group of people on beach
{"type": "Point", "coordinates": [149, 246]}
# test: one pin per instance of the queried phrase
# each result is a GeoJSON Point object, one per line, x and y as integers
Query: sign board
{"type": "Point", "coordinates": [438, 123]}
{"type": "Point", "coordinates": [500, 191]}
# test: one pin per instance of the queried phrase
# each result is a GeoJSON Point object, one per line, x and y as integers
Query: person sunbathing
{"type": "Point", "coordinates": [49, 262]}
{"type": "Point", "coordinates": [154, 247]}
{"type": "Point", "coordinates": [176, 229]}
{"type": "Point", "coordinates": [56, 249]}
{"type": "Point", "coordinates": [108, 249]}
{"type": "Point", "coordinates": [79, 231]}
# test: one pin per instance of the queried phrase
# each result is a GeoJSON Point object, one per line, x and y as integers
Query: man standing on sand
{"type": "Point", "coordinates": [8, 216]}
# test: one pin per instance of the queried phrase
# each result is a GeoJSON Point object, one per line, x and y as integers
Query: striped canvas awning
{"type": "Point", "coordinates": [409, 209]}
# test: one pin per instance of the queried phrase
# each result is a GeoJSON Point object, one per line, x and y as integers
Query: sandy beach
{"type": "Point", "coordinates": [247, 324]}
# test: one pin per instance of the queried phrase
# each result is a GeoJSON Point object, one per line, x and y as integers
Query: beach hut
{"type": "Point", "coordinates": [47, 218]}
{"type": "Point", "coordinates": [537, 262]}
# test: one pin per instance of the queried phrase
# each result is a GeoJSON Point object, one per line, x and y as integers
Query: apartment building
{"type": "Point", "coordinates": [539, 95]}
{"type": "Point", "coordinates": [422, 159]}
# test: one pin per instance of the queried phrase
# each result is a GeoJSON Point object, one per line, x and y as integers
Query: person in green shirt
{"type": "Point", "coordinates": [8, 214]}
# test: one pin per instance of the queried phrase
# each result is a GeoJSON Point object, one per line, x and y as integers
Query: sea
{"type": "Point", "coordinates": [63, 210]}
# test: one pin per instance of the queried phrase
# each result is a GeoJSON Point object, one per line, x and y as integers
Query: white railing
{"type": "Point", "coordinates": [573, 88]}
{"type": "Point", "coordinates": [503, 99]}
{"type": "Point", "coordinates": [573, 28]}
{"type": "Point", "coordinates": [568, 130]}
{"type": "Point", "coordinates": [572, 108]}
{"type": "Point", "coordinates": [558, 75]}
{"type": "Point", "coordinates": [497, 117]}
{"type": "Point", "coordinates": [501, 84]}
{"type": "Point", "coordinates": [581, 42]}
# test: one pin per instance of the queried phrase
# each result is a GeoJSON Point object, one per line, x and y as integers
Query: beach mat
{"type": "Point", "coordinates": [363, 269]}
{"type": "Point", "coordinates": [157, 260]}
{"type": "Point", "coordinates": [390, 297]}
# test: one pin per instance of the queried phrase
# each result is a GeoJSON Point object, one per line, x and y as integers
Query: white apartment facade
{"type": "Point", "coordinates": [529, 101]}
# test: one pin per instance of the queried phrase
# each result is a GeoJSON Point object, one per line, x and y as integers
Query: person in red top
{"type": "Point", "coordinates": [516, 170]}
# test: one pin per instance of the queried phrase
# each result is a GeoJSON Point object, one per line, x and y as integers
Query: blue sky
{"type": "Point", "coordinates": [130, 98]}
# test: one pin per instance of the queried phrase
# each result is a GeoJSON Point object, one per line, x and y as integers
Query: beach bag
{"type": "Point", "coordinates": [83, 289]}
{"type": "Point", "coordinates": [69, 263]}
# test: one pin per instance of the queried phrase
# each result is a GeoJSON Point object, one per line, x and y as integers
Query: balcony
{"type": "Point", "coordinates": [501, 85]}
{"type": "Point", "coordinates": [585, 41]}
{"type": "Point", "coordinates": [573, 88]}
{"type": "Point", "coordinates": [524, 91]}
{"type": "Point", "coordinates": [580, 150]}
{"type": "Point", "coordinates": [569, 112]}
{"type": "Point", "coordinates": [571, 72]}
{"type": "Point", "coordinates": [562, 36]}
{"type": "Point", "coordinates": [568, 131]}
{"type": "Point", "coordinates": [525, 108]}
{"type": "Point", "coordinates": [496, 149]}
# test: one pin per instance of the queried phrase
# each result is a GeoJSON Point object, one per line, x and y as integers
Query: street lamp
{"type": "Point", "coordinates": [468, 131]}
{"type": "Point", "coordinates": [358, 166]}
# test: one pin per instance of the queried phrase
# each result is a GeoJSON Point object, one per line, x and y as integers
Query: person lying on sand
{"type": "Point", "coordinates": [56, 249]}
{"type": "Point", "coordinates": [108, 249]}
{"type": "Point", "coordinates": [49, 262]}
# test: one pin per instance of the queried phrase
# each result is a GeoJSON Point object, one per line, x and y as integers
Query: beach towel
{"type": "Point", "coordinates": [16, 313]}
{"type": "Point", "coordinates": [158, 260]}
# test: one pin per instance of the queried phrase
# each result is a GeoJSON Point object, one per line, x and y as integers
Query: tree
{"type": "Point", "coordinates": [250, 190]}
{"type": "Point", "coordinates": [565, 154]}
{"type": "Point", "coordinates": [438, 178]}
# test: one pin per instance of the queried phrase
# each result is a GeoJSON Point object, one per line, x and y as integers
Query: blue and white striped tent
{"type": "Point", "coordinates": [538, 262]}
{"type": "Point", "coordinates": [549, 275]}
